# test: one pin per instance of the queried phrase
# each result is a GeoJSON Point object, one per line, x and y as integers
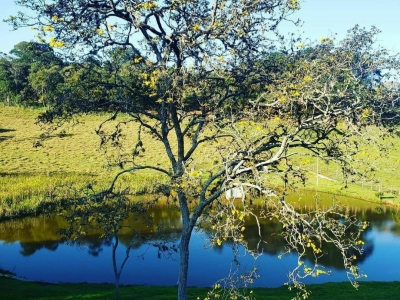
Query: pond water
{"type": "Point", "coordinates": [33, 250]}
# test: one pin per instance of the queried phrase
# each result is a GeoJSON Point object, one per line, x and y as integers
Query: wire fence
{"type": "Point", "coordinates": [328, 172]}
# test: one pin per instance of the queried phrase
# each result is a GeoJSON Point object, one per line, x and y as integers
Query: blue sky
{"type": "Point", "coordinates": [321, 18]}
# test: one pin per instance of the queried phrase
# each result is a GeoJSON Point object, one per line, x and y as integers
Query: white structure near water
{"type": "Point", "coordinates": [235, 193]}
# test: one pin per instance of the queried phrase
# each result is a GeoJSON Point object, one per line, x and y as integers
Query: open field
{"type": "Point", "coordinates": [31, 169]}
{"type": "Point", "coordinates": [21, 290]}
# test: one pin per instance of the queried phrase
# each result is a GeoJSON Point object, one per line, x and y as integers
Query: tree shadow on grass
{"type": "Point", "coordinates": [3, 130]}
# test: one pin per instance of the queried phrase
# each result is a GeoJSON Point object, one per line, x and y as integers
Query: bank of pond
{"type": "Point", "coordinates": [22, 290]}
{"type": "Point", "coordinates": [32, 249]}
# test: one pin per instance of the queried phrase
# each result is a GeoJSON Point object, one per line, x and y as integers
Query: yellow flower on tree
{"type": "Point", "coordinates": [300, 46]}
{"type": "Point", "coordinates": [48, 28]}
{"type": "Point", "coordinates": [148, 5]}
{"type": "Point", "coordinates": [293, 4]}
{"type": "Point", "coordinates": [56, 19]}
{"type": "Point", "coordinates": [196, 27]}
{"type": "Point", "coordinates": [307, 79]}
{"type": "Point", "coordinates": [366, 113]}
{"type": "Point", "coordinates": [326, 40]}
{"type": "Point", "coordinates": [295, 93]}
{"type": "Point", "coordinates": [282, 99]}
{"type": "Point", "coordinates": [56, 44]}
{"type": "Point", "coordinates": [319, 272]}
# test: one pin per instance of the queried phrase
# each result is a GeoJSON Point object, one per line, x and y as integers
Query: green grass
{"type": "Point", "coordinates": [29, 175]}
{"type": "Point", "coordinates": [15, 290]}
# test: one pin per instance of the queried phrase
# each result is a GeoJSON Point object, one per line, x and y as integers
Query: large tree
{"type": "Point", "coordinates": [218, 73]}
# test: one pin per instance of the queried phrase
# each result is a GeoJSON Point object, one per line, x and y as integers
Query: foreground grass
{"type": "Point", "coordinates": [32, 171]}
{"type": "Point", "coordinates": [15, 290]}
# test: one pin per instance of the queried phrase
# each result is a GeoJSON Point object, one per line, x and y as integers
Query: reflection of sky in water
{"type": "Point", "coordinates": [53, 262]}
{"type": "Point", "coordinates": [384, 263]}
{"type": "Point", "coordinates": [207, 265]}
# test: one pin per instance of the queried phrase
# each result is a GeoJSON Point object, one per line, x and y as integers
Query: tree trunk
{"type": "Point", "coordinates": [184, 261]}
{"type": "Point", "coordinates": [116, 291]}
{"type": "Point", "coordinates": [188, 224]}
{"type": "Point", "coordinates": [116, 273]}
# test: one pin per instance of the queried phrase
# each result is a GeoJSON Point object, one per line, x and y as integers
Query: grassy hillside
{"type": "Point", "coordinates": [31, 169]}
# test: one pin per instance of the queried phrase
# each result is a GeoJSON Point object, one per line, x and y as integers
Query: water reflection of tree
{"type": "Point", "coordinates": [95, 246]}
{"type": "Point", "coordinates": [35, 233]}
{"type": "Point", "coordinates": [331, 255]}
{"type": "Point", "coordinates": [30, 248]}
{"type": "Point", "coordinates": [109, 214]}
{"type": "Point", "coordinates": [385, 219]}
{"type": "Point", "coordinates": [274, 244]}
{"type": "Point", "coordinates": [38, 233]}
{"type": "Point", "coordinates": [32, 229]}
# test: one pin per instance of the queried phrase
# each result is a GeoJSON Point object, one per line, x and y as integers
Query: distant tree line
{"type": "Point", "coordinates": [32, 74]}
